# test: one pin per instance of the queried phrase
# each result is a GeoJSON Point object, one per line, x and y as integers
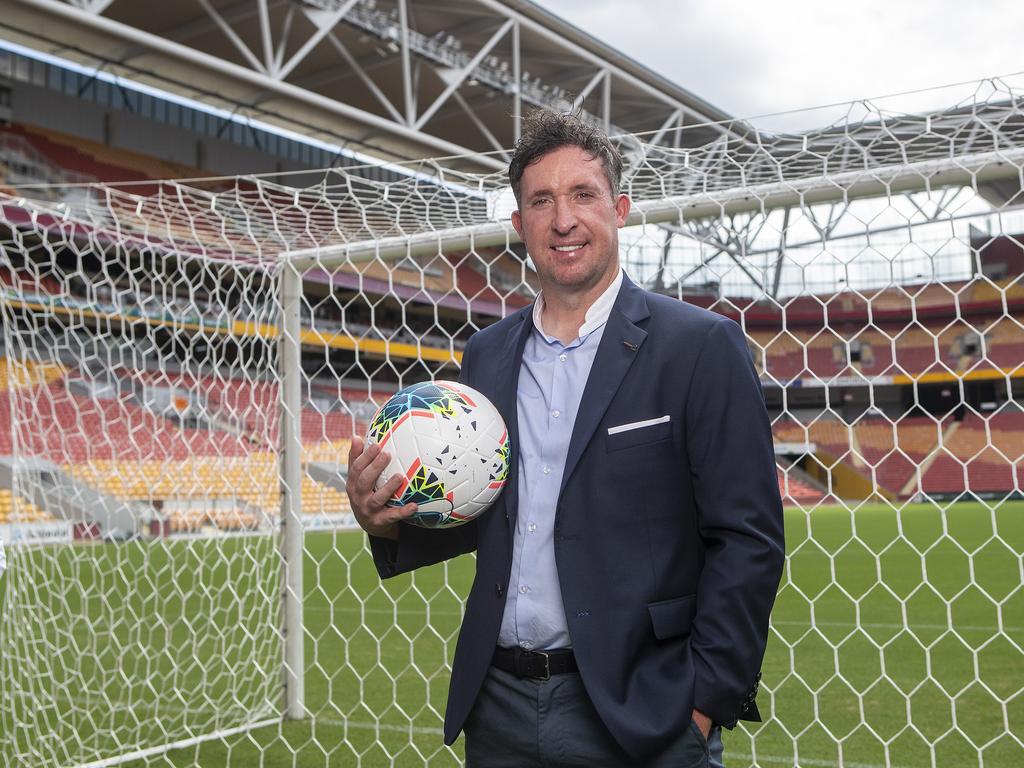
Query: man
{"type": "Point", "coordinates": [624, 579]}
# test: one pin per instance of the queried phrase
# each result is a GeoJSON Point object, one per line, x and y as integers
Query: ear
{"type": "Point", "coordinates": [517, 223]}
{"type": "Point", "coordinates": [622, 206]}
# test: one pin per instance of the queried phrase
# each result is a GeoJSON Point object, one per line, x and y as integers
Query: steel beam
{"type": "Point", "coordinates": [500, 8]}
{"type": "Point", "coordinates": [93, 6]}
{"type": "Point", "coordinates": [780, 259]}
{"type": "Point", "coordinates": [606, 101]}
{"type": "Point", "coordinates": [265, 36]}
{"type": "Point", "coordinates": [517, 79]}
{"type": "Point", "coordinates": [324, 23]}
{"type": "Point", "coordinates": [231, 35]}
{"type": "Point", "coordinates": [481, 126]}
{"type": "Point", "coordinates": [672, 121]}
{"type": "Point", "coordinates": [259, 80]}
{"type": "Point", "coordinates": [602, 74]}
{"type": "Point", "coordinates": [409, 97]}
{"type": "Point", "coordinates": [464, 73]}
{"type": "Point", "coordinates": [361, 73]}
{"type": "Point", "coordinates": [286, 30]}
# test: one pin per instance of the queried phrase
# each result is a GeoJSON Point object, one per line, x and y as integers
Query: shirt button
{"type": "Point", "coordinates": [555, 414]}
{"type": "Point", "coordinates": [524, 589]}
{"type": "Point", "coordinates": [546, 470]}
{"type": "Point", "coordinates": [563, 357]}
{"type": "Point", "coordinates": [525, 645]}
{"type": "Point", "coordinates": [531, 527]}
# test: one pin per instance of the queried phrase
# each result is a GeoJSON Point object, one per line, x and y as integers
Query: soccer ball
{"type": "Point", "coordinates": [450, 444]}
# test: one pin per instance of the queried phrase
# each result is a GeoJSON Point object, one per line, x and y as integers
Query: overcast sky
{"type": "Point", "coordinates": [753, 57]}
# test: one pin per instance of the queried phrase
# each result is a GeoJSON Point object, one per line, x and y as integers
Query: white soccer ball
{"type": "Point", "coordinates": [450, 444]}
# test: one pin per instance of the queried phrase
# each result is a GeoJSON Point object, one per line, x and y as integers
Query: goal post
{"type": "Point", "coordinates": [292, 549]}
{"type": "Point", "coordinates": [185, 364]}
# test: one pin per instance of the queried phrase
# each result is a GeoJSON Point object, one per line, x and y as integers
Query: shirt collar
{"type": "Point", "coordinates": [597, 315]}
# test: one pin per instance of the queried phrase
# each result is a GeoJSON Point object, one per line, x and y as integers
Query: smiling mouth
{"type": "Point", "coordinates": [567, 248]}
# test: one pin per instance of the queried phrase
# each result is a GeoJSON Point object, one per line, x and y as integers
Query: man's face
{"type": "Point", "coordinates": [569, 220]}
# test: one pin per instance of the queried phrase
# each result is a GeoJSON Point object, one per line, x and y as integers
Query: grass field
{"type": "Point", "coordinates": [897, 641]}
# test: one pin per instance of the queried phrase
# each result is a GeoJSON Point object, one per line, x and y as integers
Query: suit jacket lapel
{"type": "Point", "coordinates": [619, 347]}
{"type": "Point", "coordinates": [507, 386]}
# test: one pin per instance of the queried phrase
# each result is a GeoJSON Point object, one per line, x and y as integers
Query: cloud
{"type": "Point", "coordinates": [753, 58]}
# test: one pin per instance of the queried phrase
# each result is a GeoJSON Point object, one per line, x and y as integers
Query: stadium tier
{"type": "Point", "coordinates": [127, 451]}
{"type": "Point", "coordinates": [226, 493]}
{"type": "Point", "coordinates": [14, 508]}
{"type": "Point", "coordinates": [223, 473]}
{"type": "Point", "coordinates": [945, 345]}
{"type": "Point", "coordinates": [980, 453]}
{"type": "Point", "coordinates": [83, 160]}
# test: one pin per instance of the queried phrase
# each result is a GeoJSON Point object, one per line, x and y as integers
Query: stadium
{"type": "Point", "coordinates": [229, 231]}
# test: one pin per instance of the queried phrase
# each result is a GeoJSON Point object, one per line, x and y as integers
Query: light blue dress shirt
{"type": "Point", "coordinates": [551, 382]}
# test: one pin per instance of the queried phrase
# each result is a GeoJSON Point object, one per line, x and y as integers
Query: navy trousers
{"type": "Point", "coordinates": [523, 723]}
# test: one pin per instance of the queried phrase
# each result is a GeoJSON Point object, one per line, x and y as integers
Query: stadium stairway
{"type": "Point", "coordinates": [796, 486]}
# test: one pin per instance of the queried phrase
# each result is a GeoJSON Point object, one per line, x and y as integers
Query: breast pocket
{"type": "Point", "coordinates": [636, 433]}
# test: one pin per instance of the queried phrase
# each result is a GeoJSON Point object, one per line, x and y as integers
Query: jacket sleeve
{"type": "Point", "coordinates": [732, 462]}
{"type": "Point", "coordinates": [417, 547]}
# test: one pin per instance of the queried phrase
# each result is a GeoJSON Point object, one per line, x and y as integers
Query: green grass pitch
{"type": "Point", "coordinates": [883, 616]}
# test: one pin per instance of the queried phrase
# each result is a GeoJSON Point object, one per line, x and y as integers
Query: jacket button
{"type": "Point", "coordinates": [499, 590]}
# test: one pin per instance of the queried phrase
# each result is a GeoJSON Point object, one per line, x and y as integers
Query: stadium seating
{"type": "Point", "coordinates": [989, 461]}
{"type": "Point", "coordinates": [97, 160]}
{"type": "Point", "coordinates": [27, 373]}
{"type": "Point", "coordinates": [887, 350]}
{"type": "Point", "coordinates": [986, 455]}
{"type": "Point", "coordinates": [248, 483]}
{"type": "Point", "coordinates": [126, 451]}
{"type": "Point", "coordinates": [15, 508]}
{"type": "Point", "coordinates": [895, 450]}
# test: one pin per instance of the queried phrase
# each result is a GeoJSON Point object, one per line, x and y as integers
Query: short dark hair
{"type": "Point", "coordinates": [544, 131]}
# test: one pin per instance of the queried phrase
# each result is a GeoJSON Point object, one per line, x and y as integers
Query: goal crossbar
{"type": "Point", "coordinates": [849, 185]}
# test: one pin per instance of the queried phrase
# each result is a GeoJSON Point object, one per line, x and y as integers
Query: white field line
{"type": "Point", "coordinates": [142, 754]}
{"type": "Point", "coordinates": [809, 761]}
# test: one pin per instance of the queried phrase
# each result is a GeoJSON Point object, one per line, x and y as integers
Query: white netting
{"type": "Point", "coordinates": [875, 266]}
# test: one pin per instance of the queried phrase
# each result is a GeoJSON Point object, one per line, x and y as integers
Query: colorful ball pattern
{"type": "Point", "coordinates": [450, 444]}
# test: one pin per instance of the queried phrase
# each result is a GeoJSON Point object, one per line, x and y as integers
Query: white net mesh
{"type": "Point", "coordinates": [875, 266]}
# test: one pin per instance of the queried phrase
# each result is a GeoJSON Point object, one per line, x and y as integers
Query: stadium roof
{"type": "Point", "coordinates": [395, 78]}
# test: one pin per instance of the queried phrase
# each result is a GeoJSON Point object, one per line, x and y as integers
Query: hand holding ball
{"type": "Point", "coordinates": [449, 444]}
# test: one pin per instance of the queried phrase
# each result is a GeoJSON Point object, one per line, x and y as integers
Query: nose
{"type": "Point", "coordinates": [564, 220]}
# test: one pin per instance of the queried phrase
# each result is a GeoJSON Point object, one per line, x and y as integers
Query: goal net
{"type": "Point", "coordinates": [185, 362]}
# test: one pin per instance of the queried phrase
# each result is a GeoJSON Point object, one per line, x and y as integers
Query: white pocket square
{"type": "Point", "coordinates": [637, 425]}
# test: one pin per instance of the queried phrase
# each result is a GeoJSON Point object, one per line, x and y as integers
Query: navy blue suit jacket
{"type": "Point", "coordinates": [668, 538]}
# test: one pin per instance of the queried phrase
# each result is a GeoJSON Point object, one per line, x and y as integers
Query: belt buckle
{"type": "Point", "coordinates": [547, 666]}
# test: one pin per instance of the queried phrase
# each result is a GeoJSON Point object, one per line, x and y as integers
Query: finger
{"type": "Point", "coordinates": [359, 463]}
{"type": "Point", "coordinates": [379, 498]}
{"type": "Point", "coordinates": [367, 478]}
{"type": "Point", "coordinates": [397, 514]}
{"type": "Point", "coordinates": [355, 449]}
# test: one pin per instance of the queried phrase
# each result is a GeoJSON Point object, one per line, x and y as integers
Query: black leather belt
{"type": "Point", "coordinates": [536, 665]}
